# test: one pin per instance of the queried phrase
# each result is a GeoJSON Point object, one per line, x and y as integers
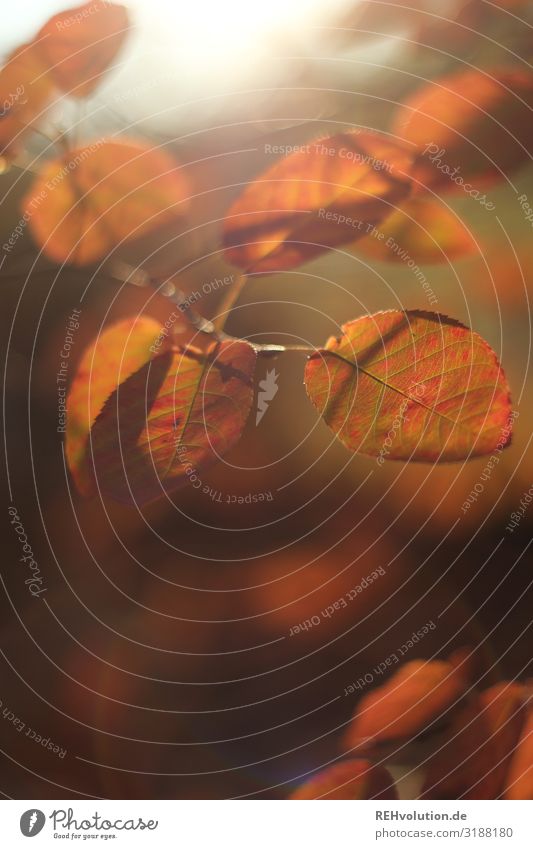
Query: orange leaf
{"type": "Point", "coordinates": [119, 350]}
{"type": "Point", "coordinates": [326, 194]}
{"type": "Point", "coordinates": [411, 386]}
{"type": "Point", "coordinates": [79, 44]}
{"type": "Point", "coordinates": [422, 230]}
{"type": "Point", "coordinates": [519, 783]}
{"type": "Point", "coordinates": [418, 693]}
{"type": "Point", "coordinates": [352, 779]}
{"type": "Point", "coordinates": [175, 417]}
{"type": "Point", "coordinates": [25, 91]}
{"type": "Point", "coordinates": [478, 123]}
{"type": "Point", "coordinates": [84, 204]}
{"type": "Point", "coordinates": [472, 762]}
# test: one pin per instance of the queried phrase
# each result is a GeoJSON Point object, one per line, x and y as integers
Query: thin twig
{"type": "Point", "coordinates": [228, 301]}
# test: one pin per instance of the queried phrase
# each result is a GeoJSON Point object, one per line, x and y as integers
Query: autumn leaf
{"type": "Point", "coordinates": [25, 91]}
{"type": "Point", "coordinates": [519, 781]}
{"type": "Point", "coordinates": [421, 230]}
{"type": "Point", "coordinates": [470, 128]}
{"type": "Point", "coordinates": [417, 694]}
{"type": "Point", "coordinates": [84, 204]}
{"type": "Point", "coordinates": [473, 760]}
{"type": "Point", "coordinates": [79, 44]}
{"type": "Point", "coordinates": [119, 351]}
{"type": "Point", "coordinates": [329, 193]}
{"type": "Point", "coordinates": [350, 779]}
{"type": "Point", "coordinates": [172, 419]}
{"type": "Point", "coordinates": [411, 386]}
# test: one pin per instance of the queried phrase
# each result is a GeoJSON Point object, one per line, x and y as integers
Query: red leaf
{"type": "Point", "coordinates": [119, 350]}
{"type": "Point", "coordinates": [25, 91]}
{"type": "Point", "coordinates": [519, 782]}
{"type": "Point", "coordinates": [472, 762]}
{"type": "Point", "coordinates": [324, 195]}
{"type": "Point", "coordinates": [175, 417]}
{"type": "Point", "coordinates": [79, 44]}
{"type": "Point", "coordinates": [422, 230]}
{"type": "Point", "coordinates": [411, 386]}
{"type": "Point", "coordinates": [476, 122]}
{"type": "Point", "coordinates": [84, 204]}
{"type": "Point", "coordinates": [417, 694]}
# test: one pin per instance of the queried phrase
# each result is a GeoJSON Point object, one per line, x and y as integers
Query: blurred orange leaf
{"type": "Point", "coordinates": [422, 230]}
{"type": "Point", "coordinates": [418, 693]}
{"type": "Point", "coordinates": [84, 204]}
{"type": "Point", "coordinates": [351, 779]}
{"type": "Point", "coordinates": [79, 44]}
{"type": "Point", "coordinates": [173, 418]}
{"type": "Point", "coordinates": [411, 386]}
{"type": "Point", "coordinates": [519, 783]}
{"type": "Point", "coordinates": [469, 127]}
{"type": "Point", "coordinates": [472, 762]}
{"type": "Point", "coordinates": [324, 195]}
{"type": "Point", "coordinates": [25, 90]}
{"type": "Point", "coordinates": [119, 350]}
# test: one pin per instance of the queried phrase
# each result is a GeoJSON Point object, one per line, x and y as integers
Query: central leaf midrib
{"type": "Point", "coordinates": [397, 390]}
{"type": "Point", "coordinates": [188, 417]}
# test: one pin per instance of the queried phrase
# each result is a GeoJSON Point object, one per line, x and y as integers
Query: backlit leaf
{"type": "Point", "coordinates": [421, 230]}
{"type": "Point", "coordinates": [325, 194]}
{"type": "Point", "coordinates": [417, 694]}
{"type": "Point", "coordinates": [351, 779]}
{"type": "Point", "coordinates": [79, 44]}
{"type": "Point", "coordinates": [473, 761]}
{"type": "Point", "coordinates": [411, 386]}
{"type": "Point", "coordinates": [172, 419]}
{"type": "Point", "coordinates": [469, 127]}
{"type": "Point", "coordinates": [25, 90]}
{"type": "Point", "coordinates": [119, 350]}
{"type": "Point", "coordinates": [82, 205]}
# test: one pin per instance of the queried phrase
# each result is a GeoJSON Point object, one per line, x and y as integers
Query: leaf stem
{"type": "Point", "coordinates": [273, 350]}
{"type": "Point", "coordinates": [139, 277]}
{"type": "Point", "coordinates": [228, 301]}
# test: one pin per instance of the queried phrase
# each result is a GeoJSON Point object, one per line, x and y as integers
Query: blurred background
{"type": "Point", "coordinates": [160, 659]}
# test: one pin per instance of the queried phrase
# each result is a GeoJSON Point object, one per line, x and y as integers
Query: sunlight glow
{"type": "Point", "coordinates": [227, 34]}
